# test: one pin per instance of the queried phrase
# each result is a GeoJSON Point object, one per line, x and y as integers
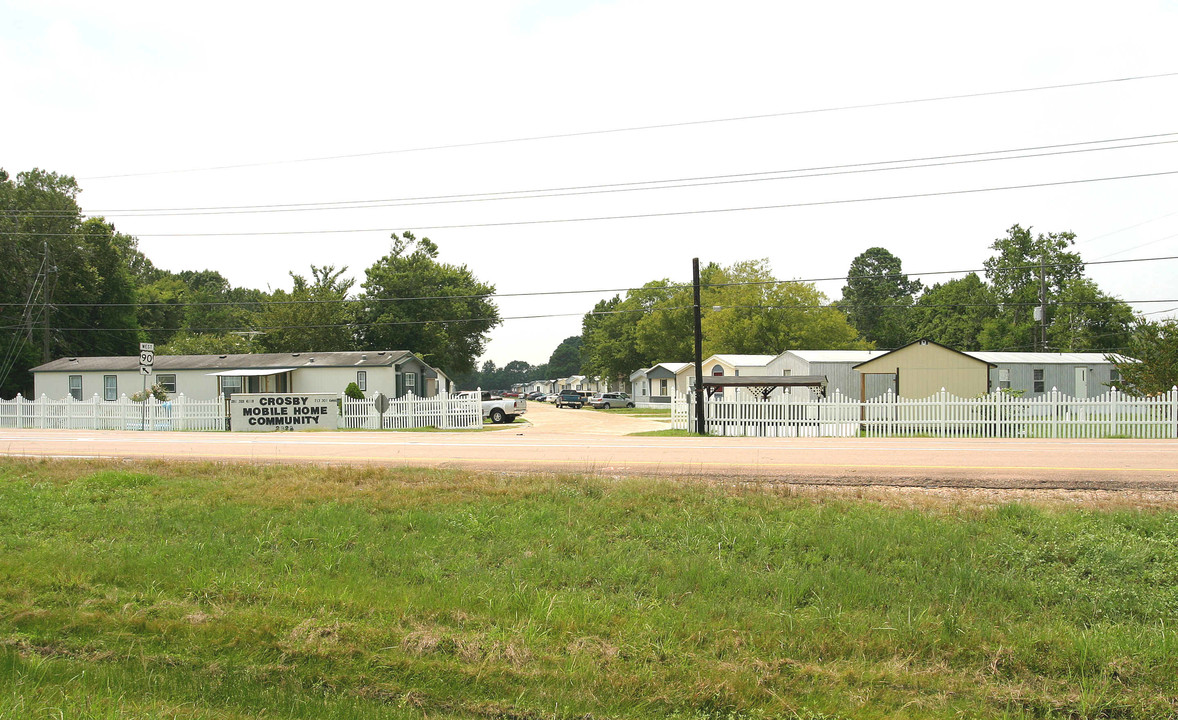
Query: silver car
{"type": "Point", "coordinates": [612, 400]}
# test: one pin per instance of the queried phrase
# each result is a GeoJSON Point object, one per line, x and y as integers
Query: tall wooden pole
{"type": "Point", "coordinates": [699, 353]}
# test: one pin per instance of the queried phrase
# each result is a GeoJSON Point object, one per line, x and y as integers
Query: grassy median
{"type": "Point", "coordinates": [142, 590]}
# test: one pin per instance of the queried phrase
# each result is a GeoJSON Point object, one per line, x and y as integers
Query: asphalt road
{"type": "Point", "coordinates": [587, 441]}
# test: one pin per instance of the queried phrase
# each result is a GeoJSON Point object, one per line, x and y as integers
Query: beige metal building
{"type": "Point", "coordinates": [922, 368]}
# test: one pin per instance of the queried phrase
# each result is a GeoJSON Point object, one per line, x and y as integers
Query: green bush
{"type": "Point", "coordinates": [155, 391]}
{"type": "Point", "coordinates": [353, 391]}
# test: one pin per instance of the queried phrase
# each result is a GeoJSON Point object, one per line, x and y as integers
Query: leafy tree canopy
{"type": "Point", "coordinates": [566, 358]}
{"type": "Point", "coordinates": [314, 316]}
{"type": "Point", "coordinates": [1155, 346]}
{"type": "Point", "coordinates": [877, 296]}
{"type": "Point", "coordinates": [954, 313]}
{"type": "Point", "coordinates": [448, 322]}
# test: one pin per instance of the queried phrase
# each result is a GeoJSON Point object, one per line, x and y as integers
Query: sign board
{"type": "Point", "coordinates": [380, 402]}
{"type": "Point", "coordinates": [267, 412]}
{"type": "Point", "coordinates": [146, 357]}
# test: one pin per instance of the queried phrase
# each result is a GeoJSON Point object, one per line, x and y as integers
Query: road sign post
{"type": "Point", "coordinates": [146, 362]}
{"type": "Point", "coordinates": [381, 403]}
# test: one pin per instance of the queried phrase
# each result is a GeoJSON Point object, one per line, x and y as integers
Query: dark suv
{"type": "Point", "coordinates": [570, 398]}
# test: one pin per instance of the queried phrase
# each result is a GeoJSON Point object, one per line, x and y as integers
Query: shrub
{"type": "Point", "coordinates": [155, 391]}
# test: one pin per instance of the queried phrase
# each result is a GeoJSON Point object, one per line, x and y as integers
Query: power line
{"type": "Point", "coordinates": [676, 213]}
{"type": "Point", "coordinates": [638, 185]}
{"type": "Point", "coordinates": [390, 323]}
{"type": "Point", "coordinates": [238, 303]}
{"type": "Point", "coordinates": [640, 128]}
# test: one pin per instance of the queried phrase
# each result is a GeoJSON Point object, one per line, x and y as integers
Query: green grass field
{"type": "Point", "coordinates": [142, 590]}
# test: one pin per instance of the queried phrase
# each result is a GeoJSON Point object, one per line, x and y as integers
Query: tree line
{"type": "Point", "coordinates": [746, 310]}
{"type": "Point", "coordinates": [74, 286]}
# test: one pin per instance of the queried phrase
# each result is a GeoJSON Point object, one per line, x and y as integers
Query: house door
{"type": "Point", "coordinates": [1081, 382]}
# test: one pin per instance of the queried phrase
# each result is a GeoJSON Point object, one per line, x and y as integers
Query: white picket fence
{"type": "Point", "coordinates": [182, 413]}
{"type": "Point", "coordinates": [445, 412]}
{"type": "Point", "coordinates": [179, 413]}
{"type": "Point", "coordinates": [999, 415]}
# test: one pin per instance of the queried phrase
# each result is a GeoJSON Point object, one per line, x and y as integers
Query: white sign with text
{"type": "Point", "coordinates": [266, 412]}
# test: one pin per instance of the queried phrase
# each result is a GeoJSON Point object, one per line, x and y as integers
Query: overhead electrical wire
{"type": "Point", "coordinates": [636, 216]}
{"type": "Point", "coordinates": [390, 323]}
{"type": "Point", "coordinates": [544, 293]}
{"type": "Point", "coordinates": [638, 185]}
{"type": "Point", "coordinates": [640, 128]}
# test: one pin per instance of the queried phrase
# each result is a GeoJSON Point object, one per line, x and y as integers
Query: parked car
{"type": "Point", "coordinates": [535, 395]}
{"type": "Point", "coordinates": [498, 409]}
{"type": "Point", "coordinates": [612, 400]}
{"type": "Point", "coordinates": [570, 398]}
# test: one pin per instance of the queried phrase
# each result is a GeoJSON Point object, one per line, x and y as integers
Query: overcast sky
{"type": "Point", "coordinates": [138, 100]}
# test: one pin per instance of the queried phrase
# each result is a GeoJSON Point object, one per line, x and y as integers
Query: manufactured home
{"type": "Point", "coordinates": [837, 366]}
{"type": "Point", "coordinates": [394, 373]}
{"type": "Point", "coordinates": [1079, 375]}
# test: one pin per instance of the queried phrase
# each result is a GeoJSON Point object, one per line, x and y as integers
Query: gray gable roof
{"type": "Point", "coordinates": [248, 361]}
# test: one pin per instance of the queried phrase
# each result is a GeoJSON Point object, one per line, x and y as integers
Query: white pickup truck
{"type": "Point", "coordinates": [500, 409]}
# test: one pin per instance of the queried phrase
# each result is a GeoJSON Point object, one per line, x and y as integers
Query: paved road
{"type": "Point", "coordinates": [578, 441]}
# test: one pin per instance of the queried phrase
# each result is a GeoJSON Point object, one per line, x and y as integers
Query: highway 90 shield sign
{"type": "Point", "coordinates": [146, 357]}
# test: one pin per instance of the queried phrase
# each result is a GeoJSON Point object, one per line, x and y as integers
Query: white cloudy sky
{"type": "Point", "coordinates": [123, 89]}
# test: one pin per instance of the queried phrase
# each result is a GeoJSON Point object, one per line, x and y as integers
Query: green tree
{"type": "Point", "coordinates": [1014, 271]}
{"type": "Point", "coordinates": [566, 358]}
{"type": "Point", "coordinates": [762, 316]}
{"type": "Point", "coordinates": [1086, 319]}
{"type": "Point", "coordinates": [449, 328]}
{"type": "Point", "coordinates": [1152, 365]}
{"type": "Point", "coordinates": [213, 305]}
{"type": "Point", "coordinates": [954, 313]}
{"type": "Point", "coordinates": [877, 297]}
{"type": "Point", "coordinates": [610, 333]}
{"type": "Point", "coordinates": [207, 344]}
{"type": "Point", "coordinates": [40, 217]}
{"type": "Point", "coordinates": [665, 331]}
{"type": "Point", "coordinates": [313, 316]}
{"type": "Point", "coordinates": [110, 325]}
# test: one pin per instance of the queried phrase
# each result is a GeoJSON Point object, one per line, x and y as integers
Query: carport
{"type": "Point", "coordinates": [764, 385]}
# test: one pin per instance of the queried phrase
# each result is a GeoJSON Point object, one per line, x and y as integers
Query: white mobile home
{"type": "Point", "coordinates": [736, 365]}
{"type": "Point", "coordinates": [1080, 375]}
{"type": "Point", "coordinates": [658, 383]}
{"type": "Point", "coordinates": [836, 365]}
{"type": "Point", "coordinates": [202, 377]}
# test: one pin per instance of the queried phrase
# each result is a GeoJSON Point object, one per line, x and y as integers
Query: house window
{"type": "Point", "coordinates": [167, 382]}
{"type": "Point", "coordinates": [1114, 375]}
{"type": "Point", "coordinates": [230, 385]}
{"type": "Point", "coordinates": [362, 380]}
{"type": "Point", "coordinates": [1038, 377]}
{"type": "Point", "coordinates": [717, 371]}
{"type": "Point", "coordinates": [411, 383]}
{"type": "Point", "coordinates": [662, 387]}
{"type": "Point", "coordinates": [1004, 378]}
{"type": "Point", "coordinates": [110, 387]}
{"type": "Point", "coordinates": [76, 387]}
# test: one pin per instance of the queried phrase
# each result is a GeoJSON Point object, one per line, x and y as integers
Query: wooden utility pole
{"type": "Point", "coordinates": [700, 426]}
{"type": "Point", "coordinates": [1042, 308]}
